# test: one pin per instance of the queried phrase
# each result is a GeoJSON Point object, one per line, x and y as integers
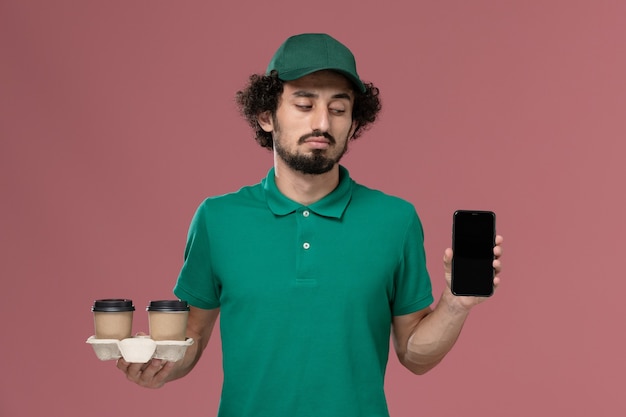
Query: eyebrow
{"type": "Point", "coordinates": [308, 94]}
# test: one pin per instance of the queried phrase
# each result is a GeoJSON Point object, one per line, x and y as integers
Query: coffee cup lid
{"type": "Point", "coordinates": [168, 305]}
{"type": "Point", "coordinates": [113, 305]}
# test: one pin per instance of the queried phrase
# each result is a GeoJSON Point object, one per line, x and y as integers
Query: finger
{"type": "Point", "coordinates": [497, 266]}
{"type": "Point", "coordinates": [497, 249]}
{"type": "Point", "coordinates": [447, 261]}
{"type": "Point", "coordinates": [161, 376]}
{"type": "Point", "coordinates": [496, 283]}
{"type": "Point", "coordinates": [151, 368]}
{"type": "Point", "coordinates": [156, 373]}
{"type": "Point", "coordinates": [122, 365]}
{"type": "Point", "coordinates": [447, 257]}
{"type": "Point", "coordinates": [134, 371]}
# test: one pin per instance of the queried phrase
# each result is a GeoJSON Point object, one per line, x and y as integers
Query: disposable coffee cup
{"type": "Point", "coordinates": [113, 318]}
{"type": "Point", "coordinates": [168, 319]}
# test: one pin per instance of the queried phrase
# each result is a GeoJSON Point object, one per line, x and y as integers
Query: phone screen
{"type": "Point", "coordinates": [473, 239]}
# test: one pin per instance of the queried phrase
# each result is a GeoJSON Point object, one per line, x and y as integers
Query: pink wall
{"type": "Point", "coordinates": [117, 119]}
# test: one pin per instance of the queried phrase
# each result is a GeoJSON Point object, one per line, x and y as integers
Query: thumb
{"type": "Point", "coordinates": [447, 263]}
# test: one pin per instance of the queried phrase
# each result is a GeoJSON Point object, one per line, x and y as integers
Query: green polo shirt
{"type": "Point", "coordinates": [306, 295]}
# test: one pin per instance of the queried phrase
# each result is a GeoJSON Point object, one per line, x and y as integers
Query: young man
{"type": "Point", "coordinates": [310, 271]}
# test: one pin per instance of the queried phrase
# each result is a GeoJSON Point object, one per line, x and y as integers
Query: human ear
{"type": "Point", "coordinates": [265, 121]}
{"type": "Point", "coordinates": [355, 124]}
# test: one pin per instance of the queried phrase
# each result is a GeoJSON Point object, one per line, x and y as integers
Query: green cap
{"type": "Point", "coordinates": [304, 54]}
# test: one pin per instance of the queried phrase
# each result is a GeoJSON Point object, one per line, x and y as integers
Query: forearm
{"type": "Point", "coordinates": [187, 363]}
{"type": "Point", "coordinates": [200, 331]}
{"type": "Point", "coordinates": [435, 334]}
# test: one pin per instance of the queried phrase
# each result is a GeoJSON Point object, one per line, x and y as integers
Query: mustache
{"type": "Point", "coordinates": [318, 133]}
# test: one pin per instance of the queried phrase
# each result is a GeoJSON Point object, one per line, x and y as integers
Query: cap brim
{"type": "Point", "coordinates": [301, 72]}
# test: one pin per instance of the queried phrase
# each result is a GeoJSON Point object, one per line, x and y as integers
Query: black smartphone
{"type": "Point", "coordinates": [473, 239]}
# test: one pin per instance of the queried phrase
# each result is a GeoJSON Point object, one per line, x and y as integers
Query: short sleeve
{"type": "Point", "coordinates": [413, 289]}
{"type": "Point", "coordinates": [196, 283]}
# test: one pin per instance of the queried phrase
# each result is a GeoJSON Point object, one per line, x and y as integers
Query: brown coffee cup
{"type": "Point", "coordinates": [168, 319]}
{"type": "Point", "coordinates": [113, 318]}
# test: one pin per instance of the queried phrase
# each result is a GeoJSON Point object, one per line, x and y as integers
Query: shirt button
{"type": "Point", "coordinates": [306, 245]}
{"type": "Point", "coordinates": [306, 213]}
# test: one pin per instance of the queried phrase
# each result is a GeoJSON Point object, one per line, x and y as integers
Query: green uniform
{"type": "Point", "coordinates": [306, 295]}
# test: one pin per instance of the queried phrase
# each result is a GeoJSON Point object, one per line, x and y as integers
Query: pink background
{"type": "Point", "coordinates": [117, 119]}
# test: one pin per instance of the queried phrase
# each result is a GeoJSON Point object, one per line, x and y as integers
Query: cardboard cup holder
{"type": "Point", "coordinates": [139, 349]}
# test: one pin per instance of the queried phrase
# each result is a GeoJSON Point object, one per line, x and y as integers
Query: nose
{"type": "Point", "coordinates": [320, 119]}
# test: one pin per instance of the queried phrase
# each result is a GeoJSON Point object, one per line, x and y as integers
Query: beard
{"type": "Point", "coordinates": [317, 162]}
{"type": "Point", "coordinates": [314, 164]}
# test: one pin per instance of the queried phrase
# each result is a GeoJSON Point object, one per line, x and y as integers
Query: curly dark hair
{"type": "Point", "coordinates": [263, 92]}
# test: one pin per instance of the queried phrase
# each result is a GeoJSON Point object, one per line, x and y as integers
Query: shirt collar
{"type": "Point", "coordinates": [332, 205]}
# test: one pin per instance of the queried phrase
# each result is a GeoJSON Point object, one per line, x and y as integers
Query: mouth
{"type": "Point", "coordinates": [321, 144]}
{"type": "Point", "coordinates": [318, 140]}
